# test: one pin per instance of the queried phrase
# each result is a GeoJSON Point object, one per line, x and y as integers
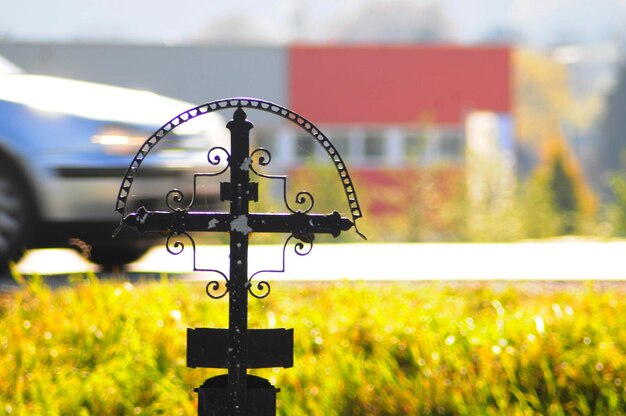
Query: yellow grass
{"type": "Point", "coordinates": [116, 348]}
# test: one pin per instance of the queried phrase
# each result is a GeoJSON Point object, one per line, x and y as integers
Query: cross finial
{"type": "Point", "coordinates": [239, 119]}
{"type": "Point", "coordinates": [239, 115]}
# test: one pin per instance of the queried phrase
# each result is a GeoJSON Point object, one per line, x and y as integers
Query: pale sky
{"type": "Point", "coordinates": [166, 21]}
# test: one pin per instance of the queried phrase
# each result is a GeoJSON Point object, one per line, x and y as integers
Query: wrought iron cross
{"type": "Point", "coordinates": [239, 348]}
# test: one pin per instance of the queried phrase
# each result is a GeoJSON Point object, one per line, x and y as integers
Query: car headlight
{"type": "Point", "coordinates": [119, 141]}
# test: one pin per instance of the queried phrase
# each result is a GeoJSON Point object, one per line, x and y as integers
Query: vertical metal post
{"type": "Point", "coordinates": [238, 286]}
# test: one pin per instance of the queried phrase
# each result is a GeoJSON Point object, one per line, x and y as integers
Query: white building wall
{"type": "Point", "coordinates": [394, 147]}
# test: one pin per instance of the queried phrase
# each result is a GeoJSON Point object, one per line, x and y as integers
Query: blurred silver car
{"type": "Point", "coordinates": [64, 148]}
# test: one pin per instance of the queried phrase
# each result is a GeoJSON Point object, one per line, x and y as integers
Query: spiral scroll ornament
{"type": "Point", "coordinates": [174, 199]}
{"type": "Point", "coordinates": [214, 158]}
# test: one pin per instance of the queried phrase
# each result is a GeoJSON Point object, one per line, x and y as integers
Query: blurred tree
{"type": "Point", "coordinates": [562, 186]}
{"type": "Point", "coordinates": [545, 106]}
{"type": "Point", "coordinates": [612, 141]}
{"type": "Point", "coordinates": [561, 175]}
{"type": "Point", "coordinates": [395, 21]}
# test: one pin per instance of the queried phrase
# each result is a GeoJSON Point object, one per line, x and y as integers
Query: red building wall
{"type": "Point", "coordinates": [398, 84]}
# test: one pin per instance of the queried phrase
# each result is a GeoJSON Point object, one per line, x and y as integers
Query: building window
{"type": "Point", "coordinates": [305, 148]}
{"type": "Point", "coordinates": [374, 147]}
{"type": "Point", "coordinates": [452, 146]}
{"type": "Point", "coordinates": [414, 147]}
{"type": "Point", "coordinates": [434, 146]}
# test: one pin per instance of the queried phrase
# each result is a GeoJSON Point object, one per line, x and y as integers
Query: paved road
{"type": "Point", "coordinates": [560, 260]}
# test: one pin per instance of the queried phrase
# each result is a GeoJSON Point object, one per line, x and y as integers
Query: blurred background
{"type": "Point", "coordinates": [460, 121]}
{"type": "Point", "coordinates": [479, 121]}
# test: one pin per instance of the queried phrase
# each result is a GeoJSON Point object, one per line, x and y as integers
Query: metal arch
{"type": "Point", "coordinates": [241, 102]}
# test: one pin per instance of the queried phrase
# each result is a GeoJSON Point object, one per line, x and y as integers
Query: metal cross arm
{"type": "Point", "coordinates": [301, 225]}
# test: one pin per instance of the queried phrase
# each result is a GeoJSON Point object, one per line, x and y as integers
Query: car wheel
{"type": "Point", "coordinates": [16, 216]}
{"type": "Point", "coordinates": [111, 256]}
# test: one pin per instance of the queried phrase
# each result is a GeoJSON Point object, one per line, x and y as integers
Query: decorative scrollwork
{"type": "Point", "coordinates": [214, 289]}
{"type": "Point", "coordinates": [242, 102]}
{"type": "Point", "coordinates": [262, 286]}
{"type": "Point", "coordinates": [215, 159]}
{"type": "Point", "coordinates": [175, 197]}
{"type": "Point", "coordinates": [264, 158]}
{"type": "Point", "coordinates": [302, 198]}
{"type": "Point", "coordinates": [175, 245]}
{"type": "Point", "coordinates": [301, 248]}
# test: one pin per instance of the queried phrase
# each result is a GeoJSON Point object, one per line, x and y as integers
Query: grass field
{"type": "Point", "coordinates": [116, 348]}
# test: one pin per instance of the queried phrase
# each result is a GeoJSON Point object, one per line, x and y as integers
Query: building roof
{"type": "Point", "coordinates": [398, 84]}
